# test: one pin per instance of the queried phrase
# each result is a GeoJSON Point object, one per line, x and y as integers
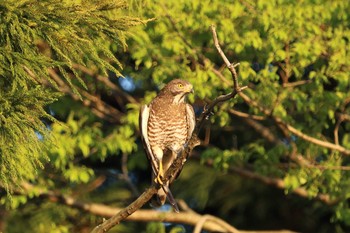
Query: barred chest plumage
{"type": "Point", "coordinates": [167, 126]}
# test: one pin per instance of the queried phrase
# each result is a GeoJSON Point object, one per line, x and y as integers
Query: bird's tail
{"type": "Point", "coordinates": [160, 197]}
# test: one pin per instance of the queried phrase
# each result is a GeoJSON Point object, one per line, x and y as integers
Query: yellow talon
{"type": "Point", "coordinates": [159, 177]}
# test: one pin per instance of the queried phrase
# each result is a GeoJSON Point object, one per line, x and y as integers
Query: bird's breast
{"type": "Point", "coordinates": [167, 126]}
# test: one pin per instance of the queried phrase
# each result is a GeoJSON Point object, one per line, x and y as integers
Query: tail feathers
{"type": "Point", "coordinates": [159, 198]}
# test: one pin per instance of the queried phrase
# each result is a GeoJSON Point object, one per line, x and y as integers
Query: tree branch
{"type": "Point", "coordinates": [246, 115]}
{"type": "Point", "coordinates": [236, 88]}
{"type": "Point", "coordinates": [105, 80]}
{"type": "Point", "coordinates": [293, 130]}
{"type": "Point", "coordinates": [126, 212]}
{"type": "Point", "coordinates": [276, 182]}
{"type": "Point", "coordinates": [98, 107]}
{"type": "Point", "coordinates": [170, 174]}
{"type": "Point", "coordinates": [270, 137]}
{"type": "Point", "coordinates": [230, 66]}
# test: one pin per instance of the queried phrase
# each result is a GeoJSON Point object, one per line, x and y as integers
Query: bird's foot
{"type": "Point", "coordinates": [158, 179]}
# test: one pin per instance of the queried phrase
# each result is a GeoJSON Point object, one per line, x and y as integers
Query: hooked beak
{"type": "Point", "coordinates": [189, 89]}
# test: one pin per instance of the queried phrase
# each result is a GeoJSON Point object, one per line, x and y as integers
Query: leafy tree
{"type": "Point", "coordinates": [37, 39]}
{"type": "Point", "coordinates": [293, 56]}
{"type": "Point", "coordinates": [271, 158]}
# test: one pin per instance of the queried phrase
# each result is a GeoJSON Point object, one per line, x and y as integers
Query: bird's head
{"type": "Point", "coordinates": [178, 88]}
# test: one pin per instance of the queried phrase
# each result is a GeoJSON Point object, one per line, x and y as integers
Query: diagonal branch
{"type": "Point", "coordinates": [105, 80]}
{"type": "Point", "coordinates": [293, 130]}
{"type": "Point", "coordinates": [236, 88]}
{"type": "Point", "coordinates": [177, 165]}
{"type": "Point", "coordinates": [280, 184]}
{"type": "Point", "coordinates": [98, 107]}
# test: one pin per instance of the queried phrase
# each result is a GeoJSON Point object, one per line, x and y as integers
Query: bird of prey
{"type": "Point", "coordinates": [166, 125]}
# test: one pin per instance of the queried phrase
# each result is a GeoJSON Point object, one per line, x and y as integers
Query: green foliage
{"type": "Point", "coordinates": [155, 227]}
{"type": "Point", "coordinates": [77, 140]}
{"type": "Point", "coordinates": [48, 219]}
{"type": "Point", "coordinates": [20, 131]}
{"type": "Point", "coordinates": [294, 56]}
{"type": "Point", "coordinates": [200, 196]}
{"type": "Point", "coordinates": [36, 36]}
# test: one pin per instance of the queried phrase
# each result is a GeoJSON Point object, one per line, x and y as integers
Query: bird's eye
{"type": "Point", "coordinates": [180, 85]}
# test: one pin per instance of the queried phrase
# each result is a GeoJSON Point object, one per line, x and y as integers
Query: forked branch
{"type": "Point", "coordinates": [222, 98]}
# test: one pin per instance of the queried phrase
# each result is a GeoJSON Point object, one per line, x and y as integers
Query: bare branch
{"type": "Point", "coordinates": [316, 141]}
{"type": "Point", "coordinates": [269, 136]}
{"type": "Point", "coordinates": [230, 66]}
{"type": "Point", "coordinates": [98, 107]}
{"type": "Point", "coordinates": [200, 223]}
{"type": "Point", "coordinates": [297, 83]}
{"type": "Point", "coordinates": [126, 212]}
{"type": "Point", "coordinates": [236, 88]}
{"type": "Point", "coordinates": [246, 115]}
{"type": "Point", "coordinates": [207, 218]}
{"type": "Point", "coordinates": [125, 175]}
{"type": "Point", "coordinates": [276, 182]}
{"type": "Point", "coordinates": [295, 131]}
{"type": "Point", "coordinates": [105, 80]}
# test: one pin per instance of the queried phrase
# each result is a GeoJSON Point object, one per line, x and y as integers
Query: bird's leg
{"type": "Point", "coordinates": [158, 152]}
{"type": "Point", "coordinates": [159, 177]}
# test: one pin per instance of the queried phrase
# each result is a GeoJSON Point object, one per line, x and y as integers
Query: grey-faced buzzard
{"type": "Point", "coordinates": [166, 125]}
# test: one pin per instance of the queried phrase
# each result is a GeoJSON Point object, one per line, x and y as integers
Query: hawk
{"type": "Point", "coordinates": [166, 125]}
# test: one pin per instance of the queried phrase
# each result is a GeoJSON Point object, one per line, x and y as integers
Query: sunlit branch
{"type": "Point", "coordinates": [276, 182]}
{"type": "Point", "coordinates": [293, 130]}
{"type": "Point", "coordinates": [236, 88]}
{"type": "Point", "coordinates": [187, 215]}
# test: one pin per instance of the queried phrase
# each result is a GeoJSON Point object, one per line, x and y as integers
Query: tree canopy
{"type": "Point", "coordinates": [73, 75]}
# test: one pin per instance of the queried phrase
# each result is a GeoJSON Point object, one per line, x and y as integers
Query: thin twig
{"type": "Point", "coordinates": [125, 175]}
{"type": "Point", "coordinates": [230, 66]}
{"type": "Point", "coordinates": [222, 98]}
{"type": "Point", "coordinates": [105, 80]}
{"type": "Point", "coordinates": [336, 131]}
{"type": "Point", "coordinates": [99, 107]}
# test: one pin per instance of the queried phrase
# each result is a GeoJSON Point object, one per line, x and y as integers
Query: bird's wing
{"type": "Point", "coordinates": [191, 120]}
{"type": "Point", "coordinates": [143, 122]}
